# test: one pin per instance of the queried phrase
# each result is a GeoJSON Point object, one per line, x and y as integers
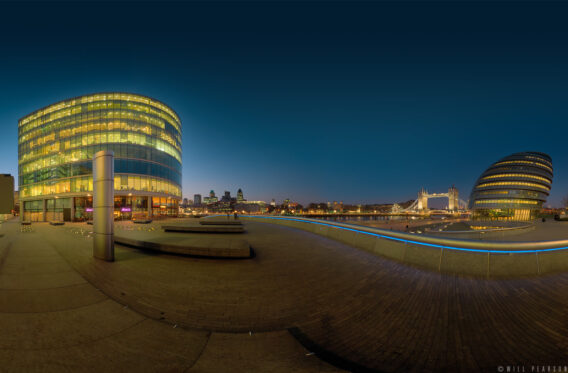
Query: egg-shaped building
{"type": "Point", "coordinates": [57, 144]}
{"type": "Point", "coordinates": [513, 188]}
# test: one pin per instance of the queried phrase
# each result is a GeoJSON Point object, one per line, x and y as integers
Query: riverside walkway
{"type": "Point", "coordinates": [349, 306]}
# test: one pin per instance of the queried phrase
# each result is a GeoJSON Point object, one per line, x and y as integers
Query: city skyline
{"type": "Point", "coordinates": [360, 103]}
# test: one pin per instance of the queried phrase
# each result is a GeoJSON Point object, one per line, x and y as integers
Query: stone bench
{"type": "Point", "coordinates": [56, 222]}
{"type": "Point", "coordinates": [203, 229]}
{"type": "Point", "coordinates": [147, 221]}
{"type": "Point", "coordinates": [209, 248]}
{"type": "Point", "coordinates": [220, 222]}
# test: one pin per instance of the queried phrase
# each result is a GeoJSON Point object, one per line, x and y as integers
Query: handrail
{"type": "Point", "coordinates": [496, 247]}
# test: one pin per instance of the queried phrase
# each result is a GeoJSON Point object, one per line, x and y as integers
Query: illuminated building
{"type": "Point", "coordinates": [240, 197]}
{"type": "Point", "coordinates": [250, 206]}
{"type": "Point", "coordinates": [197, 199]}
{"type": "Point", "coordinates": [513, 188]}
{"type": "Point", "coordinates": [57, 144]}
{"type": "Point", "coordinates": [226, 197]}
{"type": "Point", "coordinates": [211, 199]}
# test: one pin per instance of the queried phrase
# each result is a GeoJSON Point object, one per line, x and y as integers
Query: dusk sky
{"type": "Point", "coordinates": [353, 102]}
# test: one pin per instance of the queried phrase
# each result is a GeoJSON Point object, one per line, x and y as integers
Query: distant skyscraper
{"type": "Point", "coordinates": [273, 202]}
{"type": "Point", "coordinates": [226, 197]}
{"type": "Point", "coordinates": [211, 198]}
{"type": "Point", "coordinates": [197, 199]}
{"type": "Point", "coordinates": [185, 202]}
{"type": "Point", "coordinates": [240, 197]}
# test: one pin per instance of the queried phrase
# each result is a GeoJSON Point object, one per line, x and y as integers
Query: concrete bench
{"type": "Point", "coordinates": [56, 222]}
{"type": "Point", "coordinates": [203, 229]}
{"type": "Point", "coordinates": [26, 223]}
{"type": "Point", "coordinates": [220, 222]}
{"type": "Point", "coordinates": [147, 221]}
{"type": "Point", "coordinates": [210, 248]}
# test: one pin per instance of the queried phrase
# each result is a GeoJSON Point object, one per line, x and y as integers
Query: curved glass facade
{"type": "Point", "coordinates": [56, 145]}
{"type": "Point", "coordinates": [514, 188]}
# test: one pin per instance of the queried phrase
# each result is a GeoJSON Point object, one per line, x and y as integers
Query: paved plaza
{"type": "Point", "coordinates": [62, 310]}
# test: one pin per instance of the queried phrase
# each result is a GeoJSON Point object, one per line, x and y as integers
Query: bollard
{"type": "Point", "coordinates": [103, 205]}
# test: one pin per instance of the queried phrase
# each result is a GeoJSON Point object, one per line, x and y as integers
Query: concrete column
{"type": "Point", "coordinates": [43, 205]}
{"type": "Point", "coordinates": [149, 207]}
{"type": "Point", "coordinates": [103, 205]}
{"type": "Point", "coordinates": [72, 208]}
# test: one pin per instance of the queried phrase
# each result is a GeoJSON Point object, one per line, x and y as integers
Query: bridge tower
{"type": "Point", "coordinates": [422, 200]}
{"type": "Point", "coordinates": [453, 199]}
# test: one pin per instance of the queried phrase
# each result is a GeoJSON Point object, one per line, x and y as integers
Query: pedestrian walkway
{"type": "Point", "coordinates": [53, 320]}
{"type": "Point", "coordinates": [210, 314]}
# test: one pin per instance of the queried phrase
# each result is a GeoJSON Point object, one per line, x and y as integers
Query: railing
{"type": "Point", "coordinates": [446, 254]}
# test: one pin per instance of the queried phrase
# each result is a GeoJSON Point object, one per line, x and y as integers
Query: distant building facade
{"type": "Point", "coordinates": [211, 199]}
{"type": "Point", "coordinates": [6, 194]}
{"type": "Point", "coordinates": [197, 199]}
{"type": "Point", "coordinates": [226, 197]}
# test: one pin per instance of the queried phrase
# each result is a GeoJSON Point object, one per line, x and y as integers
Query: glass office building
{"type": "Point", "coordinates": [56, 145]}
{"type": "Point", "coordinates": [513, 188]}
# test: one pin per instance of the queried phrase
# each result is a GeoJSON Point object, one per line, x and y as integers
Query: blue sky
{"type": "Point", "coordinates": [358, 102]}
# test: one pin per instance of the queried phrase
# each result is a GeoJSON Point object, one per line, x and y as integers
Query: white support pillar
{"type": "Point", "coordinates": [103, 205]}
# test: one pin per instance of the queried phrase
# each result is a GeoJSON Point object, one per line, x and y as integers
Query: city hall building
{"type": "Point", "coordinates": [56, 145]}
{"type": "Point", "coordinates": [513, 188]}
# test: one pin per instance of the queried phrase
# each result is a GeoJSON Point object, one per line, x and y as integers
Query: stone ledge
{"type": "Point", "coordinates": [220, 222]}
{"type": "Point", "coordinates": [203, 229]}
{"type": "Point", "coordinates": [210, 248]}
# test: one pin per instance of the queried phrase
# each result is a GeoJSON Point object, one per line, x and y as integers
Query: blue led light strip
{"type": "Point", "coordinates": [411, 241]}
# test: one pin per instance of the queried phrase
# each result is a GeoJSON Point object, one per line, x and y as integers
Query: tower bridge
{"type": "Point", "coordinates": [421, 202]}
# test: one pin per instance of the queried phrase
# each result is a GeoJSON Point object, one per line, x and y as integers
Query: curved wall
{"type": "Point", "coordinates": [513, 188]}
{"type": "Point", "coordinates": [56, 145]}
{"type": "Point", "coordinates": [446, 255]}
